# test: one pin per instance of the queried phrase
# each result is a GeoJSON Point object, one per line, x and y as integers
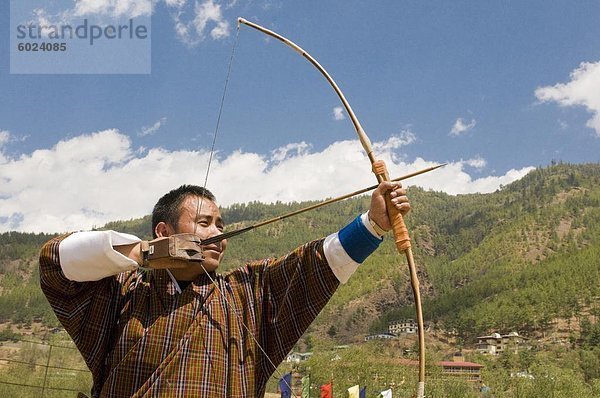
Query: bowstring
{"type": "Point", "coordinates": [239, 318]}
{"type": "Point", "coordinates": [200, 202]}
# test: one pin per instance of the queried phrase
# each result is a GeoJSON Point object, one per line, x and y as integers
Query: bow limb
{"type": "Point", "coordinates": [366, 143]}
{"type": "Point", "coordinates": [401, 235]}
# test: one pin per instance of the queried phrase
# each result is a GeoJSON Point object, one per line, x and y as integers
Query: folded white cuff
{"type": "Point", "coordinates": [89, 256]}
{"type": "Point", "coordinates": [340, 262]}
{"type": "Point", "coordinates": [365, 220]}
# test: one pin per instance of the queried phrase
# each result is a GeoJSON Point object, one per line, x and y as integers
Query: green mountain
{"type": "Point", "coordinates": [516, 259]}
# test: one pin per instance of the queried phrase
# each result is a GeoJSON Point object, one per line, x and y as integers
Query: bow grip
{"type": "Point", "coordinates": [401, 236]}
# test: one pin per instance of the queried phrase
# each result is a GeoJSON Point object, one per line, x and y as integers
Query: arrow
{"type": "Point", "coordinates": [230, 234]}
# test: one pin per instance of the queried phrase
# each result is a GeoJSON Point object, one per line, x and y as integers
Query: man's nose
{"type": "Point", "coordinates": [213, 230]}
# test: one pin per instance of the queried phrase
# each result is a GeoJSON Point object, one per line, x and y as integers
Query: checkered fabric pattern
{"type": "Point", "coordinates": [140, 338]}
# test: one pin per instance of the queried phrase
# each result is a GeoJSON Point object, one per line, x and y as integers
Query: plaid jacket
{"type": "Point", "coordinates": [140, 338]}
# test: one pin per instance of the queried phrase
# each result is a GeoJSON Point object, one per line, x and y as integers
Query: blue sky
{"type": "Point", "coordinates": [493, 88]}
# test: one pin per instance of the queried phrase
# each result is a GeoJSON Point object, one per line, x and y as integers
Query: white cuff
{"type": "Point", "coordinates": [339, 261]}
{"type": "Point", "coordinates": [365, 220]}
{"type": "Point", "coordinates": [89, 256]}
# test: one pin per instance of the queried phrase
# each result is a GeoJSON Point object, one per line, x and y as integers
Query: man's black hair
{"type": "Point", "coordinates": [167, 209]}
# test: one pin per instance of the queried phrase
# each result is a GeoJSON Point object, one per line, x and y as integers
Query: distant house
{"type": "Point", "coordinates": [460, 368]}
{"type": "Point", "coordinates": [456, 368]}
{"type": "Point", "coordinates": [495, 343]}
{"type": "Point", "coordinates": [522, 374]}
{"type": "Point", "coordinates": [380, 336]}
{"type": "Point", "coordinates": [297, 357]}
{"type": "Point", "coordinates": [404, 326]}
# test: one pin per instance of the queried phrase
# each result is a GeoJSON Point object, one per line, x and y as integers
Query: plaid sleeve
{"type": "Point", "coordinates": [296, 288]}
{"type": "Point", "coordinates": [87, 310]}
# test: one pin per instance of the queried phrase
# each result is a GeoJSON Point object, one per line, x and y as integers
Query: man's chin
{"type": "Point", "coordinates": [194, 270]}
{"type": "Point", "coordinates": [209, 267]}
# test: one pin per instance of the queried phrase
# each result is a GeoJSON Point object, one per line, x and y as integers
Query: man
{"type": "Point", "coordinates": [182, 330]}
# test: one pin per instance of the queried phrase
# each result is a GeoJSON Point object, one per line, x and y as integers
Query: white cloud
{"type": "Point", "coordinates": [193, 20]}
{"type": "Point", "coordinates": [338, 113]}
{"type": "Point", "coordinates": [582, 90]}
{"type": "Point", "coordinates": [105, 10]}
{"type": "Point", "coordinates": [220, 31]}
{"type": "Point", "coordinates": [175, 3]}
{"type": "Point", "coordinates": [406, 137]}
{"type": "Point", "coordinates": [563, 125]}
{"type": "Point", "coordinates": [4, 137]}
{"type": "Point", "coordinates": [453, 180]}
{"type": "Point", "coordinates": [231, 4]}
{"type": "Point", "coordinates": [94, 178]}
{"type": "Point", "coordinates": [477, 162]}
{"type": "Point", "coordinates": [460, 126]}
{"type": "Point", "coordinates": [149, 130]}
{"type": "Point", "coordinates": [113, 8]}
{"type": "Point", "coordinates": [7, 137]}
{"type": "Point", "coordinates": [207, 16]}
{"type": "Point", "coordinates": [290, 150]}
{"type": "Point", "coordinates": [42, 19]}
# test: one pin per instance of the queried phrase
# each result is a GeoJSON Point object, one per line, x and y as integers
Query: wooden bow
{"type": "Point", "coordinates": [401, 235]}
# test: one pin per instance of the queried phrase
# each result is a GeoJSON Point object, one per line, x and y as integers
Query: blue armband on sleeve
{"type": "Point", "coordinates": [357, 241]}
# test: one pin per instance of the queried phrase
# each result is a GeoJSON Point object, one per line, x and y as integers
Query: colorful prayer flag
{"type": "Point", "coordinates": [386, 393]}
{"type": "Point", "coordinates": [285, 385]}
{"type": "Point", "coordinates": [354, 392]}
{"type": "Point", "coordinates": [306, 387]}
{"type": "Point", "coordinates": [327, 390]}
{"type": "Point", "coordinates": [363, 392]}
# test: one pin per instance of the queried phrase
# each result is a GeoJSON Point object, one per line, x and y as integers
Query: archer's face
{"type": "Point", "coordinates": [202, 216]}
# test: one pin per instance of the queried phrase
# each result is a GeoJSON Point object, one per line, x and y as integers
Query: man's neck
{"type": "Point", "coordinates": [183, 284]}
{"type": "Point", "coordinates": [186, 274]}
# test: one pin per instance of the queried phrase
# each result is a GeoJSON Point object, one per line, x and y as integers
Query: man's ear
{"type": "Point", "coordinates": [163, 229]}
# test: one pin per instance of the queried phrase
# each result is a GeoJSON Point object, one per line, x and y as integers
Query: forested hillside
{"type": "Point", "coordinates": [515, 259]}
